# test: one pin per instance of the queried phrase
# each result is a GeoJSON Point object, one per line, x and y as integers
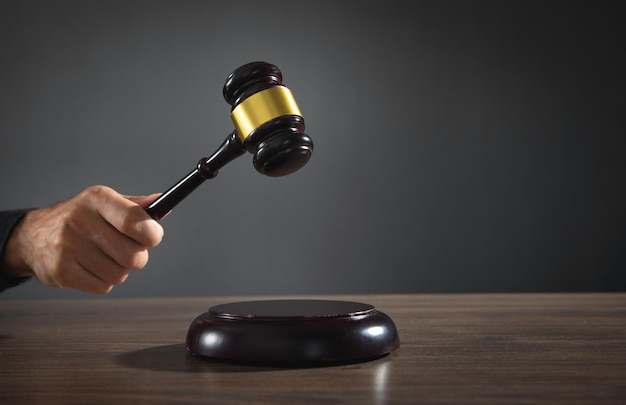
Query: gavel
{"type": "Point", "coordinates": [268, 123]}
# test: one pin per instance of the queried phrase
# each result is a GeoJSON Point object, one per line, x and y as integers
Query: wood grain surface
{"type": "Point", "coordinates": [455, 349]}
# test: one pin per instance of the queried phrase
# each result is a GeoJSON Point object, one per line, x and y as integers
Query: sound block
{"type": "Point", "coordinates": [293, 332]}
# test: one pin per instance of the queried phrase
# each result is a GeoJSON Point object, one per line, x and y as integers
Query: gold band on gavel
{"type": "Point", "coordinates": [262, 107]}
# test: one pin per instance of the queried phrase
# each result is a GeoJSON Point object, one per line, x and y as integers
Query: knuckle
{"type": "Point", "coordinates": [136, 260]}
{"type": "Point", "coordinates": [154, 238]}
{"type": "Point", "coordinates": [118, 279]}
{"type": "Point", "coordinates": [95, 192]}
{"type": "Point", "coordinates": [103, 288]}
{"type": "Point", "coordinates": [126, 222]}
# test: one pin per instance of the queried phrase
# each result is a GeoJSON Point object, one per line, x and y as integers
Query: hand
{"type": "Point", "coordinates": [90, 242]}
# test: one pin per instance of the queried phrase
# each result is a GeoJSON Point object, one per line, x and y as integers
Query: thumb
{"type": "Point", "coordinates": [143, 200]}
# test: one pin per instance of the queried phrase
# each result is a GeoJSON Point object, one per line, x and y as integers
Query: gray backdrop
{"type": "Point", "coordinates": [460, 146]}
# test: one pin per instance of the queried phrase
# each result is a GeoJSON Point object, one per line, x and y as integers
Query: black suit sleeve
{"type": "Point", "coordinates": [8, 220]}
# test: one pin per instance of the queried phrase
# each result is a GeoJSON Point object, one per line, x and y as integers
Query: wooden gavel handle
{"type": "Point", "coordinates": [207, 168]}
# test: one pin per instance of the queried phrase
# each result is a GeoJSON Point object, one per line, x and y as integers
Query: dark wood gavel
{"type": "Point", "coordinates": [268, 123]}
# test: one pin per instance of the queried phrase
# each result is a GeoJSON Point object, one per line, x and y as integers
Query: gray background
{"type": "Point", "coordinates": [460, 146]}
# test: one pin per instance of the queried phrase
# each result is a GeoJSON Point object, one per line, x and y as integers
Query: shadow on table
{"type": "Point", "coordinates": [176, 358]}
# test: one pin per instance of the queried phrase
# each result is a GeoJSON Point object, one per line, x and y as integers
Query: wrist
{"type": "Point", "coordinates": [13, 257]}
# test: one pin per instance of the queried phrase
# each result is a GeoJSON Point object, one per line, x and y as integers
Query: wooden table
{"type": "Point", "coordinates": [455, 349]}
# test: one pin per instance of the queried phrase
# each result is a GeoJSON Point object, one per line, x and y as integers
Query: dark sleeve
{"type": "Point", "coordinates": [8, 220]}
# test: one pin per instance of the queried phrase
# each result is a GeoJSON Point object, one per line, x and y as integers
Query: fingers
{"type": "Point", "coordinates": [74, 275]}
{"type": "Point", "coordinates": [102, 266]}
{"type": "Point", "coordinates": [125, 251]}
{"type": "Point", "coordinates": [126, 216]}
{"type": "Point", "coordinates": [59, 265]}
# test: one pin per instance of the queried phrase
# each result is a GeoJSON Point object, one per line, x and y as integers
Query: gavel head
{"type": "Point", "coordinates": [267, 119]}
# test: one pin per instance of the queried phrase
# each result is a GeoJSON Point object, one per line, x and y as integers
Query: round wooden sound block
{"type": "Point", "coordinates": [293, 331]}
